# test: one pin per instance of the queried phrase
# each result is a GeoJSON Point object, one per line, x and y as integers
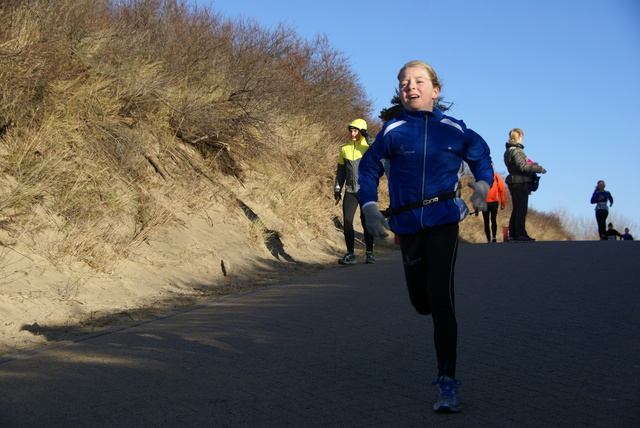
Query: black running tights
{"type": "Point", "coordinates": [429, 258]}
{"type": "Point", "coordinates": [490, 214]}
{"type": "Point", "coordinates": [349, 206]}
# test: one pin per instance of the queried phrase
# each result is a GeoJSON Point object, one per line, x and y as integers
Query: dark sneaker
{"type": "Point", "coordinates": [525, 239]}
{"type": "Point", "coordinates": [448, 397]}
{"type": "Point", "coordinates": [369, 257]}
{"type": "Point", "coordinates": [348, 259]}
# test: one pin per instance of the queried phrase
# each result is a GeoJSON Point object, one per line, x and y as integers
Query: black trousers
{"type": "Point", "coordinates": [491, 214]}
{"type": "Point", "coordinates": [601, 218]}
{"type": "Point", "coordinates": [429, 258]}
{"type": "Point", "coordinates": [520, 200]}
{"type": "Point", "coordinates": [349, 205]}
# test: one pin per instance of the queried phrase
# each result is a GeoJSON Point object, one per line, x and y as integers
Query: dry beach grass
{"type": "Point", "coordinates": [153, 156]}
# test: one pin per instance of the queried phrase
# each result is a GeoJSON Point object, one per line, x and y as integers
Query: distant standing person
{"type": "Point", "coordinates": [518, 180]}
{"type": "Point", "coordinates": [497, 196]}
{"type": "Point", "coordinates": [603, 200]}
{"type": "Point", "coordinates": [626, 236]}
{"type": "Point", "coordinates": [347, 179]}
{"type": "Point", "coordinates": [423, 153]}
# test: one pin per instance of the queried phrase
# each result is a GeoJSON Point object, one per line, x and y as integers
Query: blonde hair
{"type": "Point", "coordinates": [514, 134]}
{"type": "Point", "coordinates": [430, 72]}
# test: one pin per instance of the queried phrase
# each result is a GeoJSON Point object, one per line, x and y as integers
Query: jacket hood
{"type": "Point", "coordinates": [359, 124]}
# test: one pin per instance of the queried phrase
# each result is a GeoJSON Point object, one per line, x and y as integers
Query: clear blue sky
{"type": "Point", "coordinates": [565, 71]}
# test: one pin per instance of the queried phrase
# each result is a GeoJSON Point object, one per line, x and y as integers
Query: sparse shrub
{"type": "Point", "coordinates": [119, 117]}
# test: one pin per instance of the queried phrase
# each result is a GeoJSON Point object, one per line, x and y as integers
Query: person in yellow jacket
{"type": "Point", "coordinates": [347, 179]}
{"type": "Point", "coordinates": [497, 195]}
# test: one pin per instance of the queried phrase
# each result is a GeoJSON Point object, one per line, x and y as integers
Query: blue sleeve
{"type": "Point", "coordinates": [370, 170]}
{"type": "Point", "coordinates": [478, 157]}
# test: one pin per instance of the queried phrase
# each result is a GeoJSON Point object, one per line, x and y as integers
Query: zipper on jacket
{"type": "Point", "coordinates": [424, 166]}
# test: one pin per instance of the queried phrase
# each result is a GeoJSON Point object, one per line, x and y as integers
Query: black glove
{"type": "Point", "coordinates": [337, 196]}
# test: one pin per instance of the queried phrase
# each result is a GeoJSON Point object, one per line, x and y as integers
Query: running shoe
{"type": "Point", "coordinates": [448, 397]}
{"type": "Point", "coordinates": [369, 257]}
{"type": "Point", "coordinates": [348, 259]}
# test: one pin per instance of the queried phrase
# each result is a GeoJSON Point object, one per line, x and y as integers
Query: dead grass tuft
{"type": "Point", "coordinates": [121, 118]}
{"type": "Point", "coordinates": [122, 121]}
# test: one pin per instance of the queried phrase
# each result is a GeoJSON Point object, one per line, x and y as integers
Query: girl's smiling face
{"type": "Point", "coordinates": [416, 90]}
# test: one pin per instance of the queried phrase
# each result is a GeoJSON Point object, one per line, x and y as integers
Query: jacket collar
{"type": "Point", "coordinates": [436, 113]}
{"type": "Point", "coordinates": [509, 144]}
{"type": "Point", "coordinates": [356, 143]}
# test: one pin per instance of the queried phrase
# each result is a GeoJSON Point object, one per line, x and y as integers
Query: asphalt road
{"type": "Point", "coordinates": [549, 337]}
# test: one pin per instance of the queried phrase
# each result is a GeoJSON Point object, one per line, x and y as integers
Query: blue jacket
{"type": "Point", "coordinates": [600, 198]}
{"type": "Point", "coordinates": [422, 154]}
